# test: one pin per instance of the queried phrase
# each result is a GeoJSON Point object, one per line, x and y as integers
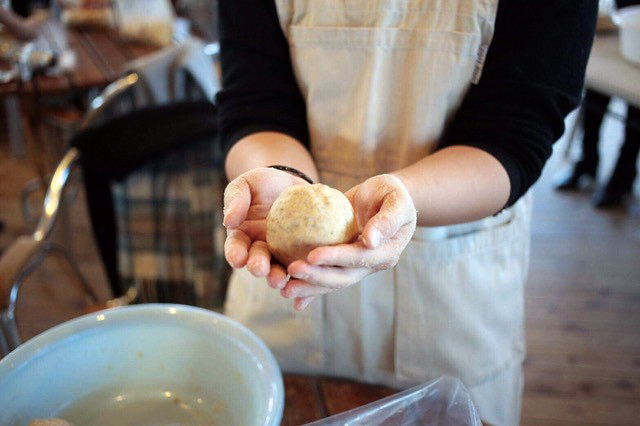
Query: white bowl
{"type": "Point", "coordinates": [141, 365]}
{"type": "Point", "coordinates": [628, 19]}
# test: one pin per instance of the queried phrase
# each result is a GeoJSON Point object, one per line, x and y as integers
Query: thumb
{"type": "Point", "coordinates": [361, 197]}
{"type": "Point", "coordinates": [395, 211]}
{"type": "Point", "coordinates": [384, 225]}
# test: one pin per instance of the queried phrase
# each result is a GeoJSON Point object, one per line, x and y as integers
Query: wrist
{"type": "Point", "coordinates": [265, 148]}
{"type": "Point", "coordinates": [415, 191]}
{"type": "Point", "coordinates": [293, 171]}
{"type": "Point", "coordinates": [406, 182]}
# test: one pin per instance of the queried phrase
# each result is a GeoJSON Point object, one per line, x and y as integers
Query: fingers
{"type": "Point", "coordinates": [237, 200]}
{"type": "Point", "coordinates": [354, 255]}
{"type": "Point", "coordinates": [330, 277]}
{"type": "Point", "coordinates": [259, 261]}
{"type": "Point", "coordinates": [238, 242]}
{"type": "Point", "coordinates": [300, 288]}
{"type": "Point", "coordinates": [277, 277]}
{"type": "Point", "coordinates": [347, 255]}
{"type": "Point", "coordinates": [357, 255]}
{"type": "Point", "coordinates": [300, 303]}
{"type": "Point", "coordinates": [236, 248]}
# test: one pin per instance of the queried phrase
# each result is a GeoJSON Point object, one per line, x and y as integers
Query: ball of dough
{"type": "Point", "coordinates": [304, 217]}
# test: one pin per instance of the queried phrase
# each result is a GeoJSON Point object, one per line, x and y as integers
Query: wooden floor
{"type": "Point", "coordinates": [582, 298]}
{"type": "Point", "coordinates": [583, 305]}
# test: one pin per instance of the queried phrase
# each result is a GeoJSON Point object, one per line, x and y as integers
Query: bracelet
{"type": "Point", "coordinates": [293, 171]}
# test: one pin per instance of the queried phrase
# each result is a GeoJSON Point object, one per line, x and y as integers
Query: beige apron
{"type": "Point", "coordinates": [381, 78]}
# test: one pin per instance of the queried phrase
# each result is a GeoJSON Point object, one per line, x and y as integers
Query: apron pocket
{"type": "Point", "coordinates": [460, 303]}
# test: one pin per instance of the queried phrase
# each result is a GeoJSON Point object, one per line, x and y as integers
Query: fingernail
{"type": "Point", "coordinates": [256, 268]}
{"type": "Point", "coordinates": [228, 213]}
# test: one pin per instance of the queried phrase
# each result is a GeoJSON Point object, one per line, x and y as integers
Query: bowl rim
{"type": "Point", "coordinates": [39, 344]}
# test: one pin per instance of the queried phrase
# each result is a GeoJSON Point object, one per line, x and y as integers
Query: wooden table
{"type": "Point", "coordinates": [100, 55]}
{"type": "Point", "coordinates": [308, 398]}
{"type": "Point", "coordinates": [609, 73]}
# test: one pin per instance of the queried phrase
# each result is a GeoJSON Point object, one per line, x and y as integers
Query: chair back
{"type": "Point", "coordinates": [27, 252]}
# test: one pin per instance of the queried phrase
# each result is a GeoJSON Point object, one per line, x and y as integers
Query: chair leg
{"type": "Point", "coordinates": [57, 249]}
{"type": "Point", "coordinates": [34, 185]}
{"type": "Point", "coordinates": [4, 344]}
{"type": "Point", "coordinates": [9, 334]}
{"type": "Point", "coordinates": [14, 124]}
{"type": "Point", "coordinates": [29, 215]}
{"type": "Point", "coordinates": [572, 134]}
{"type": "Point", "coordinates": [35, 261]}
{"type": "Point", "coordinates": [126, 299]}
{"type": "Point", "coordinates": [4, 341]}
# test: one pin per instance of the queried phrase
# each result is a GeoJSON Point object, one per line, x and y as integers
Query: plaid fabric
{"type": "Point", "coordinates": [170, 233]}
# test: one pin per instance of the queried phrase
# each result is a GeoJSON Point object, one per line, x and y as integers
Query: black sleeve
{"type": "Point", "coordinates": [532, 78]}
{"type": "Point", "coordinates": [259, 89]}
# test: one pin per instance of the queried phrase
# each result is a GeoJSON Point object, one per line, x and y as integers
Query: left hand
{"type": "Point", "coordinates": [387, 219]}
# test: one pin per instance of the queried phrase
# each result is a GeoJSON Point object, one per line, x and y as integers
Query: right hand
{"type": "Point", "coordinates": [247, 201]}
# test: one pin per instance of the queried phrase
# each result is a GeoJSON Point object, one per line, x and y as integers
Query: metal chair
{"type": "Point", "coordinates": [28, 251]}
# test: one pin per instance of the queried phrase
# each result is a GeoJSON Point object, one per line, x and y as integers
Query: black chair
{"type": "Point", "coordinates": [108, 152]}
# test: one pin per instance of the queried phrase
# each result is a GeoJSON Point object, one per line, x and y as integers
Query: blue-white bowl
{"type": "Point", "coordinates": [143, 365]}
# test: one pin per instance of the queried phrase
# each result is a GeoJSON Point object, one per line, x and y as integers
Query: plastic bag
{"type": "Point", "coordinates": [444, 401]}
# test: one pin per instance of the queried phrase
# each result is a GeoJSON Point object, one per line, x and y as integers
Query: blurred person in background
{"type": "Point", "coordinates": [203, 17]}
{"type": "Point", "coordinates": [583, 173]}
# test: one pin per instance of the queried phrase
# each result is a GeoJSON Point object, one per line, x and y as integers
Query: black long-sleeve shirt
{"type": "Point", "coordinates": [532, 78]}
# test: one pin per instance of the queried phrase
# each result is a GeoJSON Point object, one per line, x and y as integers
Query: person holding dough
{"type": "Point", "coordinates": [434, 118]}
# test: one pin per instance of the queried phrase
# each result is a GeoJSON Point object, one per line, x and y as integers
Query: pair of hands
{"type": "Point", "coordinates": [386, 219]}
